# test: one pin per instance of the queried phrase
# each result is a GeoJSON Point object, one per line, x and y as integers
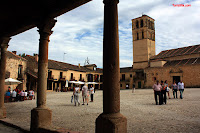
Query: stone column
{"type": "Point", "coordinates": [41, 116]}
{"type": "Point", "coordinates": [111, 120]}
{"type": "Point", "coordinates": [4, 45]}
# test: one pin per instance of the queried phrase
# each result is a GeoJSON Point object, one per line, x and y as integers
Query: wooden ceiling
{"type": "Point", "coordinates": [17, 16]}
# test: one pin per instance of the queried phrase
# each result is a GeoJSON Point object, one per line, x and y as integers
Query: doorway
{"type": "Point", "coordinates": [139, 84]}
{"type": "Point", "coordinates": [176, 79]}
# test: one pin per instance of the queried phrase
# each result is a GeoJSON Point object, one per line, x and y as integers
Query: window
{"type": "Point", "coordinates": [141, 23]}
{"type": "Point", "coordinates": [123, 77]}
{"type": "Point", "coordinates": [120, 85]}
{"type": "Point", "coordinates": [20, 71]}
{"type": "Point", "coordinates": [137, 24]}
{"type": "Point", "coordinates": [101, 78]}
{"type": "Point", "coordinates": [137, 36]}
{"type": "Point", "coordinates": [61, 75]}
{"type": "Point", "coordinates": [80, 77]}
{"type": "Point", "coordinates": [71, 76]}
{"type": "Point", "coordinates": [90, 77]}
{"type": "Point", "coordinates": [149, 24]}
{"type": "Point", "coordinates": [152, 25]}
{"type": "Point", "coordinates": [49, 74]}
{"type": "Point", "coordinates": [142, 34]}
{"type": "Point", "coordinates": [130, 75]}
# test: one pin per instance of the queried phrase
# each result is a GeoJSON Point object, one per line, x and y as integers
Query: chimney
{"type": "Point", "coordinates": [14, 52]}
{"type": "Point", "coordinates": [79, 65]}
{"type": "Point", "coordinates": [36, 57]}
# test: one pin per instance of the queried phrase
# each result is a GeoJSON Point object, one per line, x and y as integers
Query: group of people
{"type": "Point", "coordinates": [18, 95]}
{"type": "Point", "coordinates": [86, 93]}
{"type": "Point", "coordinates": [161, 89]}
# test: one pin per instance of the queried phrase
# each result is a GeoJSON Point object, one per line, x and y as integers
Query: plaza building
{"type": "Point", "coordinates": [171, 65]}
{"type": "Point", "coordinates": [16, 69]}
{"type": "Point", "coordinates": [60, 73]}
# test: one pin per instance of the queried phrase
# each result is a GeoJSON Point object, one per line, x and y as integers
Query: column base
{"type": "Point", "coordinates": [111, 123]}
{"type": "Point", "coordinates": [2, 112]}
{"type": "Point", "coordinates": [40, 118]}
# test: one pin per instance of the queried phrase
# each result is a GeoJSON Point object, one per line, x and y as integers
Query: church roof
{"type": "Point", "coordinates": [177, 52]}
{"type": "Point", "coordinates": [190, 61]}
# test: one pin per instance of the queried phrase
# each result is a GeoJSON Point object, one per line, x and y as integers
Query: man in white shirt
{"type": "Point", "coordinates": [92, 93]}
{"type": "Point", "coordinates": [22, 94]}
{"type": "Point", "coordinates": [157, 92]}
{"type": "Point", "coordinates": [84, 92]}
{"type": "Point", "coordinates": [76, 95]}
{"type": "Point", "coordinates": [14, 95]}
{"type": "Point", "coordinates": [181, 88]}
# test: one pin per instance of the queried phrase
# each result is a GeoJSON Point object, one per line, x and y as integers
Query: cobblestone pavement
{"type": "Point", "coordinates": [178, 115]}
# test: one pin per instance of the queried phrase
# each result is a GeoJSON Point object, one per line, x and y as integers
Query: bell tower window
{"type": "Point", "coordinates": [137, 24]}
{"type": "Point", "coordinates": [142, 34]}
{"type": "Point", "coordinates": [137, 36]}
{"type": "Point", "coordinates": [141, 23]}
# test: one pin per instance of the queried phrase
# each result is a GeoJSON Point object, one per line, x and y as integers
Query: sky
{"type": "Point", "coordinates": [78, 34]}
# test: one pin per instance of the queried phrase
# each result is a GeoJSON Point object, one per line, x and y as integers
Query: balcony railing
{"type": "Point", "coordinates": [63, 78]}
{"type": "Point", "coordinates": [20, 77]}
{"type": "Point", "coordinates": [51, 77]}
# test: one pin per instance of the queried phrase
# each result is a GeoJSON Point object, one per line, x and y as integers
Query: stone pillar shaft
{"type": "Point", "coordinates": [41, 116]}
{"type": "Point", "coordinates": [111, 120]}
{"type": "Point", "coordinates": [111, 71]}
{"type": "Point", "coordinates": [4, 45]}
{"type": "Point", "coordinates": [42, 69]}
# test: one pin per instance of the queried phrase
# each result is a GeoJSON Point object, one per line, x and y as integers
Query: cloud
{"type": "Point", "coordinates": [79, 33]}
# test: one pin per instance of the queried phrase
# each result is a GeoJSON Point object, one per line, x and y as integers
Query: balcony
{"type": "Point", "coordinates": [82, 80]}
{"type": "Point", "coordinates": [20, 77]}
{"type": "Point", "coordinates": [72, 79]}
{"type": "Point", "coordinates": [51, 77]}
{"type": "Point", "coordinates": [62, 78]}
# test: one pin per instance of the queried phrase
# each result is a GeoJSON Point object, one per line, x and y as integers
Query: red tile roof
{"type": "Point", "coordinates": [177, 52]}
{"type": "Point", "coordinates": [57, 65]}
{"type": "Point", "coordinates": [14, 56]}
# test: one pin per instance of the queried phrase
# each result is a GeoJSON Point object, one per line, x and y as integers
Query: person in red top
{"type": "Point", "coordinates": [157, 92]}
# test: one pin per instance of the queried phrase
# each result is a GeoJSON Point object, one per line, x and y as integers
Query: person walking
{"type": "Point", "coordinates": [167, 88]}
{"type": "Point", "coordinates": [163, 93]}
{"type": "Point", "coordinates": [91, 93]}
{"type": "Point", "coordinates": [133, 89]}
{"type": "Point", "coordinates": [181, 88]}
{"type": "Point", "coordinates": [76, 95]}
{"type": "Point", "coordinates": [174, 89]}
{"type": "Point", "coordinates": [157, 94]}
{"type": "Point", "coordinates": [84, 93]}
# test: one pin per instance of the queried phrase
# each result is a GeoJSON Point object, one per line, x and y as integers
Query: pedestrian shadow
{"type": "Point", "coordinates": [71, 104]}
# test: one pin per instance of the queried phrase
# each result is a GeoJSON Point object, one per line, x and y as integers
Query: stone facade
{"type": "Point", "coordinates": [143, 32]}
{"type": "Point", "coordinates": [190, 74]}
{"type": "Point", "coordinates": [16, 67]}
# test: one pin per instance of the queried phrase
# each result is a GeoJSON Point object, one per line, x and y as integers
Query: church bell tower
{"type": "Point", "coordinates": [143, 32]}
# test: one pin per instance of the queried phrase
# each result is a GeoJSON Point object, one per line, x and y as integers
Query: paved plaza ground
{"type": "Point", "coordinates": [179, 115]}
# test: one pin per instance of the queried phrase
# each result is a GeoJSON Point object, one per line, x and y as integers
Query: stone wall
{"type": "Point", "coordinates": [190, 74]}
{"type": "Point", "coordinates": [12, 66]}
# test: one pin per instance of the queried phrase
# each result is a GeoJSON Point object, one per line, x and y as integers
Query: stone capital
{"type": "Point", "coordinates": [110, 2]}
{"type": "Point", "coordinates": [46, 25]}
{"type": "Point", "coordinates": [4, 42]}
